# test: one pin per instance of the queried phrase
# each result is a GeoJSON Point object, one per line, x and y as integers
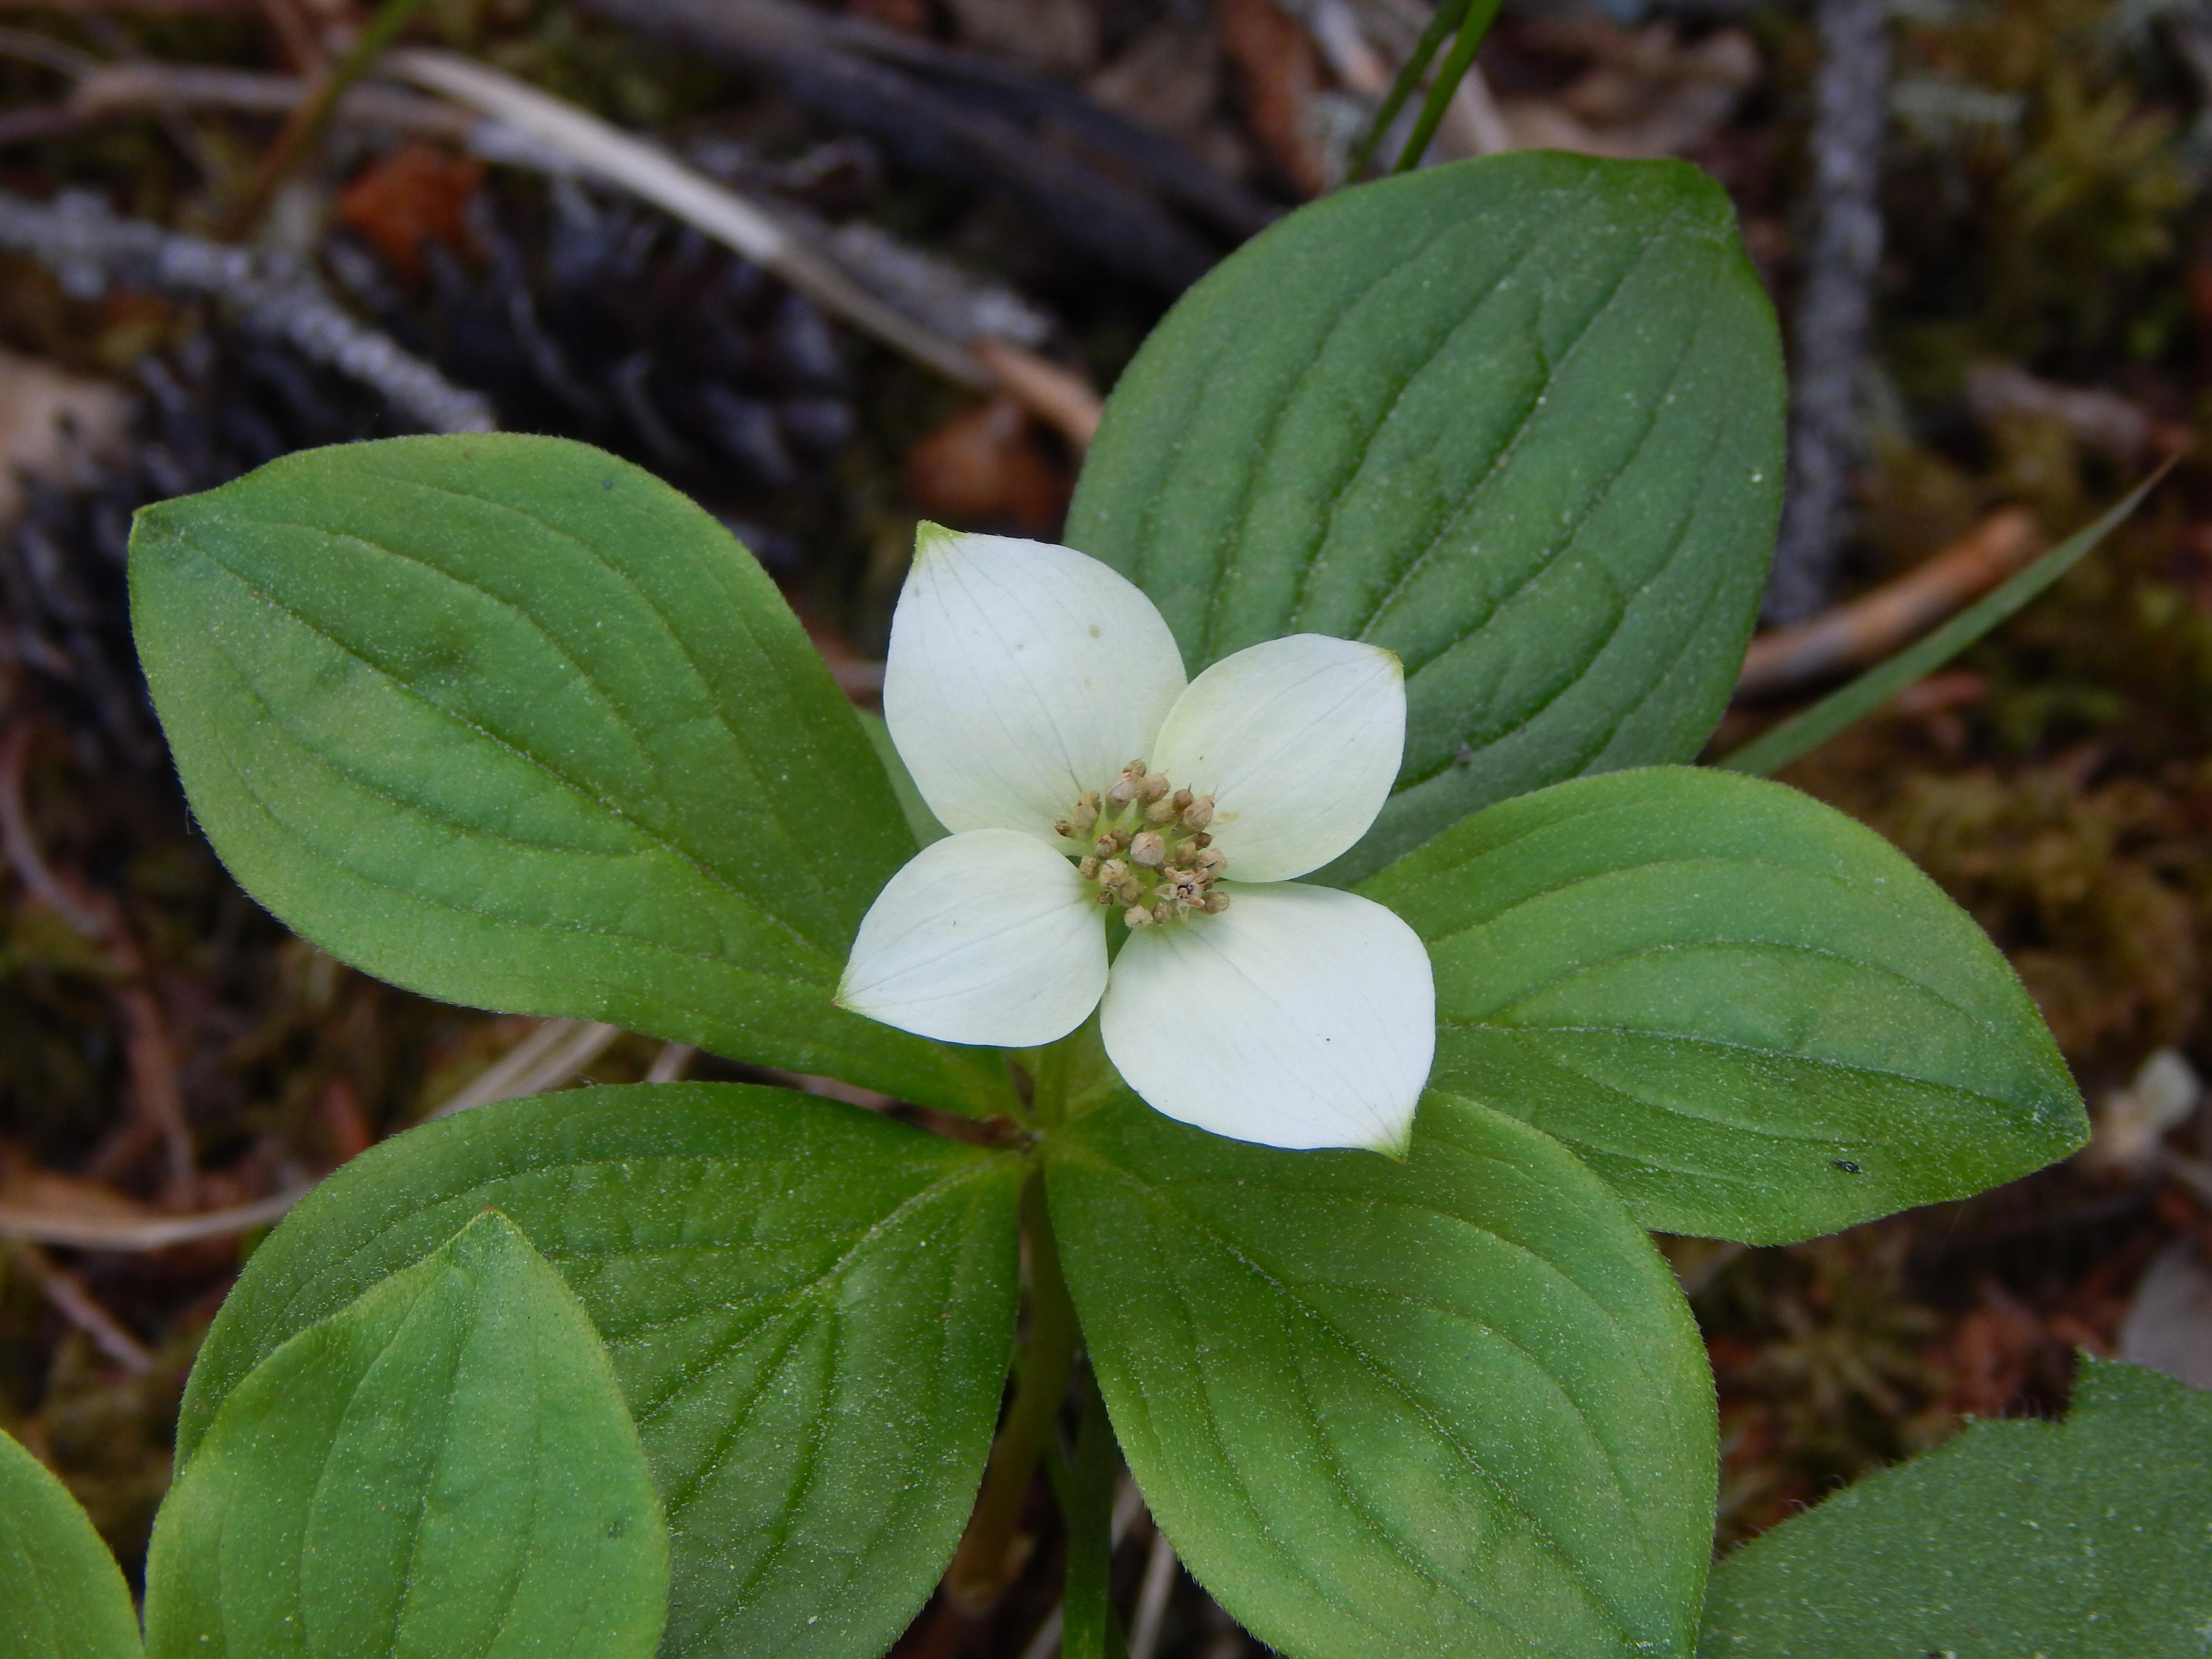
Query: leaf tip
{"type": "Point", "coordinates": [930, 537]}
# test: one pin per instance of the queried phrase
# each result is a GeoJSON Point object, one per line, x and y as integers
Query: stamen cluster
{"type": "Point", "coordinates": [1149, 850]}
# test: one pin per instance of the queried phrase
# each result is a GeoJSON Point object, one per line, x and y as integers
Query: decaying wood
{"type": "Point", "coordinates": [1783, 660]}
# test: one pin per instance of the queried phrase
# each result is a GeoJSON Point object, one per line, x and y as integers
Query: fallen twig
{"type": "Point", "coordinates": [1161, 163]}
{"type": "Point", "coordinates": [21, 847]}
{"type": "Point", "coordinates": [134, 1233]}
{"type": "Point", "coordinates": [1783, 660]}
{"type": "Point", "coordinates": [550, 1056]}
{"type": "Point", "coordinates": [2103, 421]}
{"type": "Point", "coordinates": [157, 1097]}
{"type": "Point", "coordinates": [770, 239]}
{"type": "Point", "coordinates": [645, 170]}
{"type": "Point", "coordinates": [812, 62]}
{"type": "Point", "coordinates": [82, 1309]}
{"type": "Point", "coordinates": [118, 89]}
{"type": "Point", "coordinates": [1062, 398]}
{"type": "Point", "coordinates": [81, 240]}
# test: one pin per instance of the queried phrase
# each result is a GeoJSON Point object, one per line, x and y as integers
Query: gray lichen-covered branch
{"type": "Point", "coordinates": [91, 250]}
{"type": "Point", "coordinates": [1835, 308]}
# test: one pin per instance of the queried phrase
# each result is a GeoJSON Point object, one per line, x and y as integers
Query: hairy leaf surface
{"type": "Point", "coordinates": [2089, 1539]}
{"type": "Point", "coordinates": [441, 1467]}
{"type": "Point", "coordinates": [508, 721]}
{"type": "Point", "coordinates": [1518, 420]}
{"type": "Point", "coordinates": [1750, 1014]}
{"type": "Point", "coordinates": [61, 1594]}
{"type": "Point", "coordinates": [1454, 1405]}
{"type": "Point", "coordinates": [810, 1308]}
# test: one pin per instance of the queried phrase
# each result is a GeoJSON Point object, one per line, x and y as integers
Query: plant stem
{"type": "Point", "coordinates": [1086, 1629]}
{"type": "Point", "coordinates": [306, 124]}
{"type": "Point", "coordinates": [987, 1559]}
{"type": "Point", "coordinates": [1472, 27]}
{"type": "Point", "coordinates": [1449, 14]}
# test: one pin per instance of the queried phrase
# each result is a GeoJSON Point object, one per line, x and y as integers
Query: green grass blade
{"type": "Point", "coordinates": [1802, 733]}
{"type": "Point", "coordinates": [1447, 18]}
{"type": "Point", "coordinates": [1473, 25]}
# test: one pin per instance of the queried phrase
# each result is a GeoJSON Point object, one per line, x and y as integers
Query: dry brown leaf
{"type": "Point", "coordinates": [415, 194]}
{"type": "Point", "coordinates": [986, 467]}
{"type": "Point", "coordinates": [1280, 74]}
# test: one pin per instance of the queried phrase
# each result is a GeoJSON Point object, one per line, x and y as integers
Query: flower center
{"type": "Point", "coordinates": [1147, 851]}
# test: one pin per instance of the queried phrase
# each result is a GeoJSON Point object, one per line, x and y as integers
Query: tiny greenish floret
{"type": "Point", "coordinates": [1022, 678]}
{"type": "Point", "coordinates": [1149, 853]}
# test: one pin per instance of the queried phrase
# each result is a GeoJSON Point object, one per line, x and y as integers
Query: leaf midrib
{"type": "Point", "coordinates": [1575, 1569]}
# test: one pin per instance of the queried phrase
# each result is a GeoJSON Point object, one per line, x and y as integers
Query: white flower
{"type": "Point", "coordinates": [1039, 699]}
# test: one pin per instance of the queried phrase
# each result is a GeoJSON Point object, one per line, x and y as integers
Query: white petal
{"type": "Point", "coordinates": [1020, 675]}
{"type": "Point", "coordinates": [1297, 741]}
{"type": "Point", "coordinates": [1299, 1017]}
{"type": "Point", "coordinates": [988, 936]}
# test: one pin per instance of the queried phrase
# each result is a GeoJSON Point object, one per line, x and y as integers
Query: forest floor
{"type": "Point", "coordinates": [2044, 337]}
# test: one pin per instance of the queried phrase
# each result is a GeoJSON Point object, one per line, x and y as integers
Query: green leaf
{"type": "Point", "coordinates": [508, 721]}
{"type": "Point", "coordinates": [1452, 1406]}
{"type": "Point", "coordinates": [1518, 420]}
{"type": "Point", "coordinates": [1751, 1015]}
{"type": "Point", "coordinates": [918, 818]}
{"type": "Point", "coordinates": [810, 1308]}
{"type": "Point", "coordinates": [61, 1594]}
{"type": "Point", "coordinates": [2092, 1540]}
{"type": "Point", "coordinates": [442, 1467]}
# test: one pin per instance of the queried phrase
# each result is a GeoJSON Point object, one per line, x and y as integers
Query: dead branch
{"type": "Point", "coordinates": [82, 1309]}
{"type": "Point", "coordinates": [1784, 660]}
{"type": "Point", "coordinates": [1062, 398]}
{"type": "Point", "coordinates": [2102, 421]}
{"type": "Point", "coordinates": [647, 171]}
{"type": "Point", "coordinates": [157, 1096]}
{"type": "Point", "coordinates": [135, 1233]}
{"type": "Point", "coordinates": [121, 89]}
{"type": "Point", "coordinates": [1836, 308]}
{"type": "Point", "coordinates": [1163, 164]}
{"type": "Point", "coordinates": [885, 277]}
{"type": "Point", "coordinates": [548, 1058]}
{"type": "Point", "coordinates": [21, 847]}
{"type": "Point", "coordinates": [957, 138]}
{"type": "Point", "coordinates": [91, 250]}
